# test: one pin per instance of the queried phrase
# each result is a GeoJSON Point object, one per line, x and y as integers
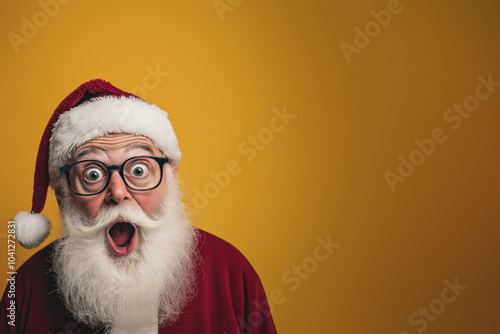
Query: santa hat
{"type": "Point", "coordinates": [94, 109]}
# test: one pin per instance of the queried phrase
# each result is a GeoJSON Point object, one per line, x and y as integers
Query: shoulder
{"type": "Point", "coordinates": [40, 262]}
{"type": "Point", "coordinates": [36, 274]}
{"type": "Point", "coordinates": [208, 242]}
{"type": "Point", "coordinates": [214, 246]}
{"type": "Point", "coordinates": [222, 256]}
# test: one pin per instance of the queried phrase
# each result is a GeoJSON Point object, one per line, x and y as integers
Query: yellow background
{"type": "Point", "coordinates": [323, 174]}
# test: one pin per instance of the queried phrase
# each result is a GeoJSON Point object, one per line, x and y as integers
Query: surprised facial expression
{"type": "Point", "coordinates": [114, 150]}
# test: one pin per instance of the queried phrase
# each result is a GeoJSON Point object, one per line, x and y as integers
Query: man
{"type": "Point", "coordinates": [129, 260]}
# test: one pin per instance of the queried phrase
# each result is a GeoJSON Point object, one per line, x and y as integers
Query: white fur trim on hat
{"type": "Point", "coordinates": [106, 115]}
{"type": "Point", "coordinates": [31, 228]}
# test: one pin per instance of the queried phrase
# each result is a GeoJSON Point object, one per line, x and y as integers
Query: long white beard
{"type": "Point", "coordinates": [129, 293]}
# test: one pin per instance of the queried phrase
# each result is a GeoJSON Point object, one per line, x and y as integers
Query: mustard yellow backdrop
{"type": "Point", "coordinates": [350, 149]}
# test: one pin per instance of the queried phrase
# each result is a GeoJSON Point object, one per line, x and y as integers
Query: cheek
{"type": "Point", "coordinates": [89, 205]}
{"type": "Point", "coordinates": [151, 201]}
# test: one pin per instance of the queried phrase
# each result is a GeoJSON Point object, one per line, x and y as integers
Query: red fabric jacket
{"type": "Point", "coordinates": [230, 297]}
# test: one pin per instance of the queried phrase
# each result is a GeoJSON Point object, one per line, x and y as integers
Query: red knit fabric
{"type": "Point", "coordinates": [86, 91]}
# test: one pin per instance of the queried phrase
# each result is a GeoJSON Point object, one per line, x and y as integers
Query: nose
{"type": "Point", "coordinates": [116, 191]}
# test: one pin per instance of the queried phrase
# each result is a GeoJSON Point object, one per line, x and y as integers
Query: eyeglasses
{"type": "Point", "coordinates": [91, 177]}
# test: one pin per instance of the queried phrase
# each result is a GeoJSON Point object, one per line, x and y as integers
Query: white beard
{"type": "Point", "coordinates": [134, 293]}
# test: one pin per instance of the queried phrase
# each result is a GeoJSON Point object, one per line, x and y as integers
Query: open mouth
{"type": "Point", "coordinates": [122, 237]}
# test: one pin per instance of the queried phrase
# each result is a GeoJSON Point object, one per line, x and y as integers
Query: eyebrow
{"type": "Point", "coordinates": [94, 149]}
{"type": "Point", "coordinates": [88, 150]}
{"type": "Point", "coordinates": [143, 146]}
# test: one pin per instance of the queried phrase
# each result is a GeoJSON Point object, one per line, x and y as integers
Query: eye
{"type": "Point", "coordinates": [93, 174]}
{"type": "Point", "coordinates": [139, 170]}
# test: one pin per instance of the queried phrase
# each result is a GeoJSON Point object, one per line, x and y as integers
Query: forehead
{"type": "Point", "coordinates": [116, 143]}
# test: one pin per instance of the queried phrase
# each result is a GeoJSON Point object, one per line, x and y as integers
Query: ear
{"type": "Point", "coordinates": [174, 169]}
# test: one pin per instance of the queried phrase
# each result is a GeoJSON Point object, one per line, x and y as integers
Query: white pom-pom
{"type": "Point", "coordinates": [31, 229]}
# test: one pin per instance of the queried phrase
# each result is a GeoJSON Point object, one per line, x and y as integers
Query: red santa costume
{"type": "Point", "coordinates": [222, 294]}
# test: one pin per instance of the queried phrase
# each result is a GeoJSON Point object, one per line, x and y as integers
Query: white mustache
{"type": "Point", "coordinates": [82, 226]}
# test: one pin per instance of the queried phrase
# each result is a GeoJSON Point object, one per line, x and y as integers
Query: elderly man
{"type": "Point", "coordinates": [129, 260]}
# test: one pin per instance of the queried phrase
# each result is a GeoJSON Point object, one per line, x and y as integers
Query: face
{"type": "Point", "coordinates": [115, 242]}
{"type": "Point", "coordinates": [114, 150]}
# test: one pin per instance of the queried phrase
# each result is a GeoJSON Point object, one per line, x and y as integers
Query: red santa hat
{"type": "Point", "coordinates": [94, 109]}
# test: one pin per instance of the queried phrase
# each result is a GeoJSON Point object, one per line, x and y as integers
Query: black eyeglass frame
{"type": "Point", "coordinates": [160, 160]}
